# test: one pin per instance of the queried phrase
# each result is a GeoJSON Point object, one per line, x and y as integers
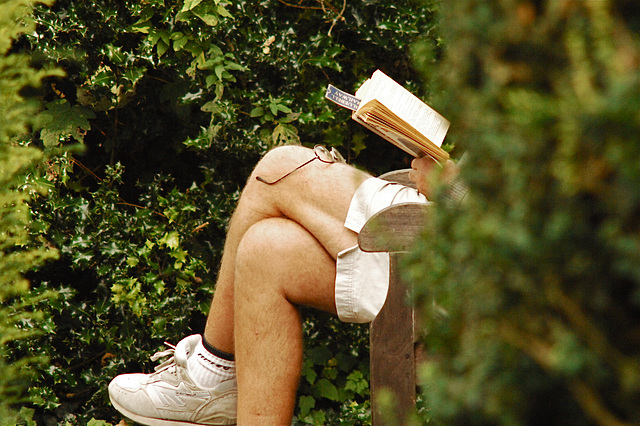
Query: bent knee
{"type": "Point", "coordinates": [282, 160]}
{"type": "Point", "coordinates": [273, 238]}
{"type": "Point", "coordinates": [286, 152]}
{"type": "Point", "coordinates": [268, 249]}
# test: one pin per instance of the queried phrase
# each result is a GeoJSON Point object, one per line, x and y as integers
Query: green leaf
{"type": "Point", "coordinates": [44, 397]}
{"type": "Point", "coordinates": [257, 112]}
{"type": "Point", "coordinates": [60, 121]}
{"type": "Point", "coordinates": [134, 74]}
{"type": "Point", "coordinates": [306, 403]}
{"type": "Point", "coordinates": [189, 5]}
{"type": "Point", "coordinates": [178, 44]}
{"type": "Point", "coordinates": [276, 105]}
{"type": "Point", "coordinates": [317, 417]}
{"type": "Point", "coordinates": [222, 11]}
{"type": "Point", "coordinates": [230, 65]}
{"type": "Point", "coordinates": [207, 18]}
{"type": "Point", "coordinates": [211, 80]}
{"type": "Point", "coordinates": [308, 372]}
{"type": "Point", "coordinates": [291, 117]}
{"type": "Point", "coordinates": [326, 389]}
{"type": "Point", "coordinates": [219, 70]}
{"type": "Point", "coordinates": [212, 107]}
{"type": "Point", "coordinates": [171, 240]}
{"type": "Point", "coordinates": [94, 422]}
{"type": "Point", "coordinates": [179, 254]}
{"type": "Point", "coordinates": [26, 415]}
{"type": "Point", "coordinates": [319, 355]}
{"type": "Point", "coordinates": [285, 134]}
{"type": "Point", "coordinates": [141, 27]}
{"type": "Point", "coordinates": [357, 383]}
{"type": "Point", "coordinates": [162, 47]}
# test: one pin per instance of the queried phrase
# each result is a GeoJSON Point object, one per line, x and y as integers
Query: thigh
{"type": "Point", "coordinates": [278, 254]}
{"type": "Point", "coordinates": [317, 196]}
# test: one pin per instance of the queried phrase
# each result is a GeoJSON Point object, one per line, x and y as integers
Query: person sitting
{"type": "Point", "coordinates": [292, 241]}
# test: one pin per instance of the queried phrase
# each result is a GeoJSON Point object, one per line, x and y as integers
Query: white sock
{"type": "Point", "coordinates": [207, 369]}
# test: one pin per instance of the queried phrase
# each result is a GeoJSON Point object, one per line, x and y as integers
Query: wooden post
{"type": "Point", "coordinates": [392, 333]}
{"type": "Point", "coordinates": [392, 340]}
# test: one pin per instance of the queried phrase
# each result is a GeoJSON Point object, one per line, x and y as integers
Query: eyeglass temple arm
{"type": "Point", "coordinates": [259, 178]}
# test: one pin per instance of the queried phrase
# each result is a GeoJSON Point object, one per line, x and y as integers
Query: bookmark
{"type": "Point", "coordinates": [343, 99]}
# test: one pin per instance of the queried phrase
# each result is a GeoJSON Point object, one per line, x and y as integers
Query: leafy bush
{"type": "Point", "coordinates": [537, 272]}
{"type": "Point", "coordinates": [19, 253]}
{"type": "Point", "coordinates": [173, 103]}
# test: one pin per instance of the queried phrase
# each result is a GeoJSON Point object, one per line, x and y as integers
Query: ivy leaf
{"type": "Point", "coordinates": [291, 117]}
{"type": "Point", "coordinates": [306, 404]}
{"type": "Point", "coordinates": [308, 372]}
{"type": "Point", "coordinates": [357, 383]}
{"type": "Point", "coordinates": [171, 240]}
{"type": "Point", "coordinates": [44, 397]}
{"type": "Point", "coordinates": [142, 27]}
{"type": "Point", "coordinates": [180, 255]}
{"type": "Point", "coordinates": [60, 121]}
{"type": "Point", "coordinates": [275, 105]}
{"type": "Point", "coordinates": [319, 355]}
{"type": "Point", "coordinates": [133, 74]}
{"type": "Point", "coordinates": [103, 76]}
{"type": "Point", "coordinates": [94, 422]}
{"type": "Point", "coordinates": [318, 418]}
{"type": "Point", "coordinates": [326, 389]}
{"type": "Point", "coordinates": [285, 134]}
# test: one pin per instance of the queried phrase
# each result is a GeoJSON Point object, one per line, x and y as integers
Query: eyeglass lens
{"type": "Point", "coordinates": [327, 156]}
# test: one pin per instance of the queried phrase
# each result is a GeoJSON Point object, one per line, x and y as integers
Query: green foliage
{"type": "Point", "coordinates": [531, 286]}
{"type": "Point", "coordinates": [19, 253]}
{"type": "Point", "coordinates": [173, 102]}
{"type": "Point", "coordinates": [61, 121]}
{"type": "Point", "coordinates": [334, 387]}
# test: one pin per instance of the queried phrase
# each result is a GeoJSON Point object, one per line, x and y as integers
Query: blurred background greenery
{"type": "Point", "coordinates": [530, 289]}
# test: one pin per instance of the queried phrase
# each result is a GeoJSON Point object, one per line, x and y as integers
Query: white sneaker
{"type": "Point", "coordinates": [169, 397]}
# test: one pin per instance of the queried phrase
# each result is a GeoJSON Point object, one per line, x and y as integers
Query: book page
{"type": "Point", "coordinates": [411, 142]}
{"type": "Point", "coordinates": [405, 105]}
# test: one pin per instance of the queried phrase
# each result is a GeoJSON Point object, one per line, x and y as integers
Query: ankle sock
{"type": "Point", "coordinates": [209, 366]}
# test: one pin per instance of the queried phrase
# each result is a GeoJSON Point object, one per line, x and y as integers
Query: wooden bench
{"type": "Point", "coordinates": [392, 333]}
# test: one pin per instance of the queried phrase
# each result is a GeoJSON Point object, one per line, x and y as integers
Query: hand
{"type": "Point", "coordinates": [422, 174]}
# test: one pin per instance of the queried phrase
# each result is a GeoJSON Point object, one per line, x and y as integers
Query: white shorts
{"type": "Point", "coordinates": [362, 279]}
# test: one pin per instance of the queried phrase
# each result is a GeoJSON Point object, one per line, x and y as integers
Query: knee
{"type": "Point", "coordinates": [254, 243]}
{"type": "Point", "coordinates": [265, 247]}
{"type": "Point", "coordinates": [287, 153]}
{"type": "Point", "coordinates": [282, 160]}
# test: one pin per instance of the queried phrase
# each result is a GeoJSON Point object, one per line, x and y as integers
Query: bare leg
{"type": "Point", "coordinates": [316, 197]}
{"type": "Point", "coordinates": [280, 253]}
{"type": "Point", "coordinates": [268, 326]}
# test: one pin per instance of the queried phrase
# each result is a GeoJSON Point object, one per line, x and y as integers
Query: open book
{"type": "Point", "coordinates": [388, 109]}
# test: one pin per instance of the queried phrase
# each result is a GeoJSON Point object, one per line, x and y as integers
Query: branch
{"type": "Point", "coordinates": [595, 339]}
{"type": "Point", "coordinates": [297, 6]}
{"type": "Point", "coordinates": [592, 405]}
{"type": "Point", "coordinates": [339, 17]}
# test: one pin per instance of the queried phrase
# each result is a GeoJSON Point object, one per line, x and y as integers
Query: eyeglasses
{"type": "Point", "coordinates": [321, 153]}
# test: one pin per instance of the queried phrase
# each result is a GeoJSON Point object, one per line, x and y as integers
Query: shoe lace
{"type": "Point", "coordinates": [162, 354]}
